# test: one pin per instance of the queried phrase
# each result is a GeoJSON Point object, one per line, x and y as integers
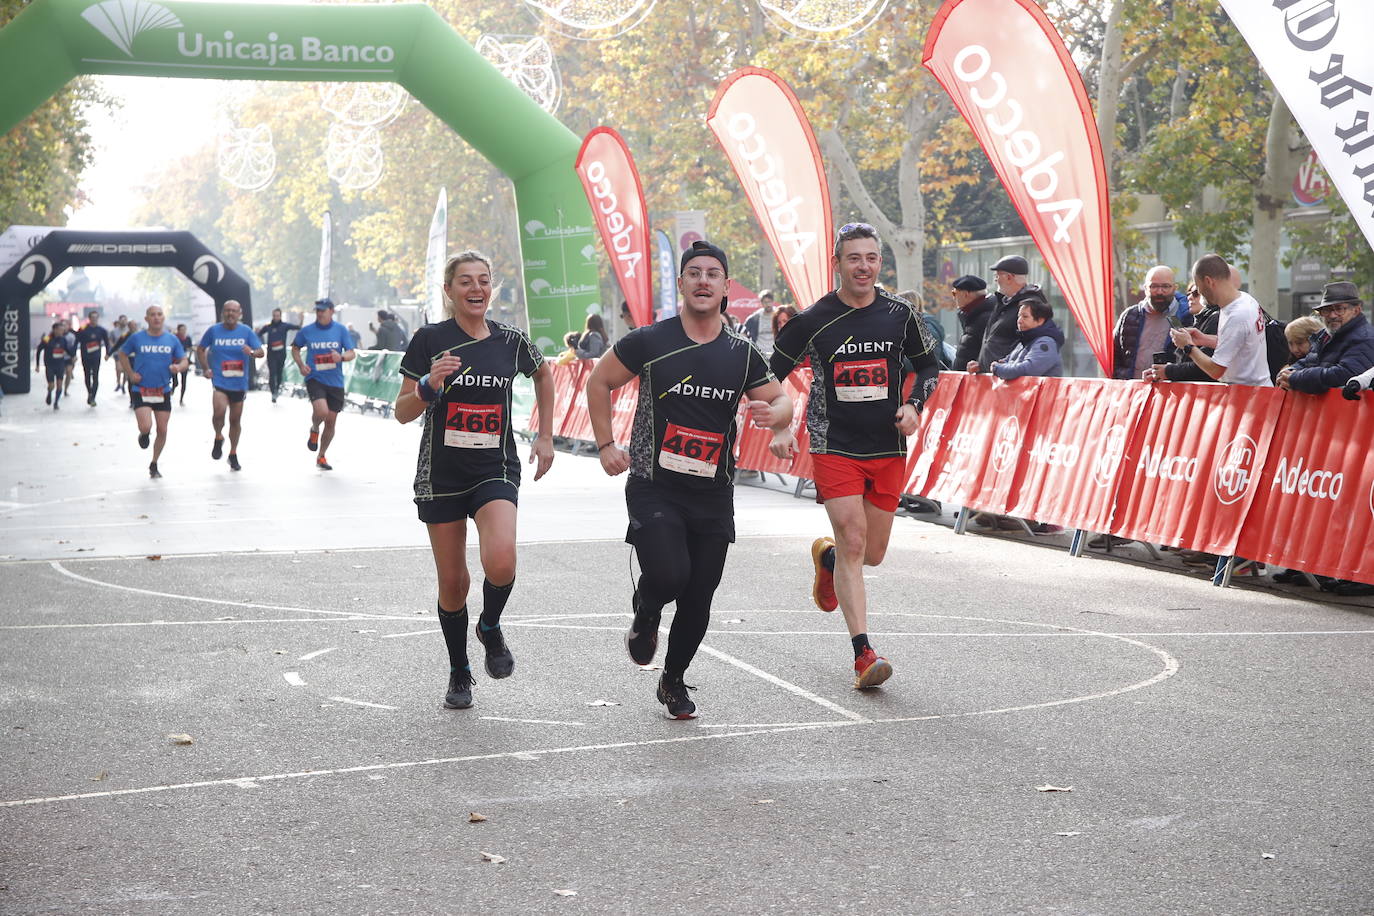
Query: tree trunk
{"type": "Point", "coordinates": [1271, 196]}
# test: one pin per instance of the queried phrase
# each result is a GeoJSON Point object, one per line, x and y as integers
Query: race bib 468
{"type": "Point", "coordinates": [861, 380]}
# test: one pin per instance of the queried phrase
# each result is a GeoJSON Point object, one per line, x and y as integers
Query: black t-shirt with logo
{"type": "Point", "coordinates": [684, 429]}
{"type": "Point", "coordinates": [274, 335]}
{"type": "Point", "coordinates": [90, 340]}
{"type": "Point", "coordinates": [859, 360]}
{"type": "Point", "coordinates": [468, 436]}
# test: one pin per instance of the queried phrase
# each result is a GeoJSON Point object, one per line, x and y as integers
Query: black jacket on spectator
{"type": "Point", "coordinates": [1184, 369]}
{"type": "Point", "coordinates": [1348, 353]}
{"type": "Point", "coordinates": [973, 321]}
{"type": "Point", "coordinates": [1002, 334]}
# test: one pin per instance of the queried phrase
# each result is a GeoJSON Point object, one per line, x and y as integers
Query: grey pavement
{"type": "Point", "coordinates": [1215, 742]}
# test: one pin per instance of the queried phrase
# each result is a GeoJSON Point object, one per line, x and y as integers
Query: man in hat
{"type": "Point", "coordinates": [692, 373]}
{"type": "Point", "coordinates": [1013, 289]}
{"type": "Point", "coordinates": [1348, 353]}
{"type": "Point", "coordinates": [327, 345]}
{"type": "Point", "coordinates": [970, 294]}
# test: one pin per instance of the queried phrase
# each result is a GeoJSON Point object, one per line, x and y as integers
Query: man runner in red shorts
{"type": "Point", "coordinates": [859, 339]}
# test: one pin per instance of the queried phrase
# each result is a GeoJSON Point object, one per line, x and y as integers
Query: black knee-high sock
{"type": "Point", "coordinates": [455, 627]}
{"type": "Point", "coordinates": [860, 643]}
{"type": "Point", "coordinates": [494, 598]}
{"type": "Point", "coordinates": [828, 559]}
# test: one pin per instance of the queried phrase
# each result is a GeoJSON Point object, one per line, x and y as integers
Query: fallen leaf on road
{"type": "Point", "coordinates": [764, 801]}
{"type": "Point", "coordinates": [564, 892]}
{"type": "Point", "coordinates": [1054, 788]}
{"type": "Point", "coordinates": [181, 739]}
{"type": "Point", "coordinates": [475, 818]}
{"type": "Point", "coordinates": [493, 858]}
{"type": "Point", "coordinates": [278, 651]}
{"type": "Point", "coordinates": [650, 667]}
{"type": "Point", "coordinates": [1069, 833]}
{"type": "Point", "coordinates": [100, 777]}
{"type": "Point", "coordinates": [143, 516]}
{"type": "Point", "coordinates": [735, 620]}
{"type": "Point", "coordinates": [1266, 855]}
{"type": "Point", "coordinates": [603, 703]}
{"type": "Point", "coordinates": [155, 556]}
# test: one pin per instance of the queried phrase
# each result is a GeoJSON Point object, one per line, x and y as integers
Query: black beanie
{"type": "Point", "coordinates": [707, 250]}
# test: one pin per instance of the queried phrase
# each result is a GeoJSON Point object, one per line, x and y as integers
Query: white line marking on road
{"type": "Point", "coordinates": [529, 721]}
{"type": "Point", "coordinates": [411, 633]}
{"type": "Point", "coordinates": [316, 654]}
{"type": "Point", "coordinates": [785, 685]}
{"type": "Point", "coordinates": [763, 724]}
{"type": "Point", "coordinates": [57, 565]}
{"type": "Point", "coordinates": [413, 764]}
{"type": "Point", "coordinates": [293, 678]}
{"type": "Point", "coordinates": [361, 703]}
{"type": "Point", "coordinates": [174, 623]}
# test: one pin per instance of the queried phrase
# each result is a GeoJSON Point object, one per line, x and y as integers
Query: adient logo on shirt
{"type": "Point", "coordinates": [852, 346]}
{"type": "Point", "coordinates": [463, 379]}
{"type": "Point", "coordinates": [705, 392]}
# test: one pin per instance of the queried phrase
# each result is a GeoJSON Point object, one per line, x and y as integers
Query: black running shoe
{"type": "Point", "coordinates": [500, 663]}
{"type": "Point", "coordinates": [217, 450]}
{"type": "Point", "coordinates": [672, 693]}
{"type": "Point", "coordinates": [459, 693]}
{"type": "Point", "coordinates": [144, 439]}
{"type": "Point", "coordinates": [323, 465]}
{"type": "Point", "coordinates": [641, 639]}
{"type": "Point", "coordinates": [153, 471]}
{"type": "Point", "coordinates": [234, 462]}
{"type": "Point", "coordinates": [47, 399]}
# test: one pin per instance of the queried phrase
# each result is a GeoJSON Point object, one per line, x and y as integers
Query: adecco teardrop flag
{"type": "Point", "coordinates": [1009, 74]}
{"type": "Point", "coordinates": [770, 144]}
{"type": "Point", "coordinates": [612, 184]}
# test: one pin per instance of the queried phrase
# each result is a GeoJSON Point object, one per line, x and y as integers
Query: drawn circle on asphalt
{"type": "Point", "coordinates": [1168, 664]}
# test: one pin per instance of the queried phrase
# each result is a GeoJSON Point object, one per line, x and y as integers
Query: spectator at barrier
{"type": "Point", "coordinates": [591, 343]}
{"type": "Point", "coordinates": [1303, 335]}
{"type": "Point", "coordinates": [1205, 317]}
{"type": "Point", "coordinates": [1001, 333]}
{"type": "Point", "coordinates": [970, 294]}
{"type": "Point", "coordinates": [758, 327]}
{"type": "Point", "coordinates": [1241, 355]}
{"type": "Point", "coordinates": [927, 312]}
{"type": "Point", "coordinates": [1143, 329]}
{"type": "Point", "coordinates": [1348, 353]}
{"type": "Point", "coordinates": [390, 334]}
{"type": "Point", "coordinates": [1037, 351]}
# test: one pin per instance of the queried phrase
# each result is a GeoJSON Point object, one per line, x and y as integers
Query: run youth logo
{"type": "Point", "coordinates": [1006, 444]}
{"type": "Point", "coordinates": [1113, 449]}
{"type": "Point", "coordinates": [1235, 468]}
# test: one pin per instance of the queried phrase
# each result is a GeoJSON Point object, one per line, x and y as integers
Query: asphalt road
{"type": "Point", "coordinates": [1215, 742]}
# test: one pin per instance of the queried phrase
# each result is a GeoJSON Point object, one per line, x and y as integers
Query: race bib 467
{"type": "Point", "coordinates": [691, 451]}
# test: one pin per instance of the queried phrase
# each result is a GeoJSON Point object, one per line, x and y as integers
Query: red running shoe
{"type": "Point", "coordinates": [823, 588]}
{"type": "Point", "coordinates": [313, 443]}
{"type": "Point", "coordinates": [870, 670]}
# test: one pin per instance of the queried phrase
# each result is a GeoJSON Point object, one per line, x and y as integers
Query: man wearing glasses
{"type": "Point", "coordinates": [1348, 353]}
{"type": "Point", "coordinates": [857, 338]}
{"type": "Point", "coordinates": [1143, 329]}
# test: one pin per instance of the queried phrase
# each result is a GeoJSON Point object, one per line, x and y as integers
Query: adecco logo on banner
{"type": "Point", "coordinates": [1006, 445]}
{"type": "Point", "coordinates": [122, 21]}
{"type": "Point", "coordinates": [1235, 465]}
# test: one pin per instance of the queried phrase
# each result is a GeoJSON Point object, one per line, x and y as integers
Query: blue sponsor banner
{"type": "Point", "coordinates": [667, 276]}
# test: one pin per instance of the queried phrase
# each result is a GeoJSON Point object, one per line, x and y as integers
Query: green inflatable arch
{"type": "Point", "coordinates": [53, 41]}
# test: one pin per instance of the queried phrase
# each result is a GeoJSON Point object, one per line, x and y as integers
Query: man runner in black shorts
{"type": "Point", "coordinates": [93, 342]}
{"type": "Point", "coordinates": [149, 358]}
{"type": "Point", "coordinates": [327, 345]}
{"type": "Point", "coordinates": [223, 355]}
{"type": "Point", "coordinates": [858, 338]}
{"type": "Point", "coordinates": [692, 373]}
{"type": "Point", "coordinates": [274, 335]}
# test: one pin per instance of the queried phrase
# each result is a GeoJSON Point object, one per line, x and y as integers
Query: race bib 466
{"type": "Point", "coordinates": [473, 426]}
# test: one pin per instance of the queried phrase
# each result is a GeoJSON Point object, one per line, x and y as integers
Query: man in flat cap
{"type": "Point", "coordinates": [975, 308]}
{"type": "Point", "coordinates": [1013, 290]}
{"type": "Point", "coordinates": [1348, 353]}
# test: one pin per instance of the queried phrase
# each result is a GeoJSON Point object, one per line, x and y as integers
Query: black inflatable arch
{"type": "Point", "coordinates": [64, 248]}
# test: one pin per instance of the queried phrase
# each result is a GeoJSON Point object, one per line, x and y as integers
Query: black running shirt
{"type": "Point", "coordinates": [857, 360]}
{"type": "Point", "coordinates": [684, 429]}
{"type": "Point", "coordinates": [91, 340]}
{"type": "Point", "coordinates": [468, 437]}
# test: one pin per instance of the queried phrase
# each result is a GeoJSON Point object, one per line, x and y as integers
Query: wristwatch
{"type": "Point", "coordinates": [1188, 349]}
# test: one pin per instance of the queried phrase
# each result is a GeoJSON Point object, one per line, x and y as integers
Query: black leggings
{"type": "Point", "coordinates": [91, 371]}
{"type": "Point", "coordinates": [276, 362]}
{"type": "Point", "coordinates": [682, 567]}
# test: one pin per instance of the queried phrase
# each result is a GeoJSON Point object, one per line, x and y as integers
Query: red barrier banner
{"type": "Point", "coordinates": [769, 143]}
{"type": "Point", "coordinates": [1315, 506]}
{"type": "Point", "coordinates": [577, 423]}
{"type": "Point", "coordinates": [1193, 465]}
{"type": "Point", "coordinates": [986, 442]}
{"type": "Point", "coordinates": [753, 442]}
{"type": "Point", "coordinates": [565, 384]}
{"type": "Point", "coordinates": [929, 448]}
{"type": "Point", "coordinates": [624, 400]}
{"type": "Point", "coordinates": [613, 188]}
{"type": "Point", "coordinates": [1077, 439]}
{"type": "Point", "coordinates": [1013, 80]}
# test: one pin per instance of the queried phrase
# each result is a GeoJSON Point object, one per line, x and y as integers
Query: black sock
{"type": "Point", "coordinates": [828, 558]}
{"type": "Point", "coordinates": [455, 627]}
{"type": "Point", "coordinates": [860, 643]}
{"type": "Point", "coordinates": [494, 598]}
